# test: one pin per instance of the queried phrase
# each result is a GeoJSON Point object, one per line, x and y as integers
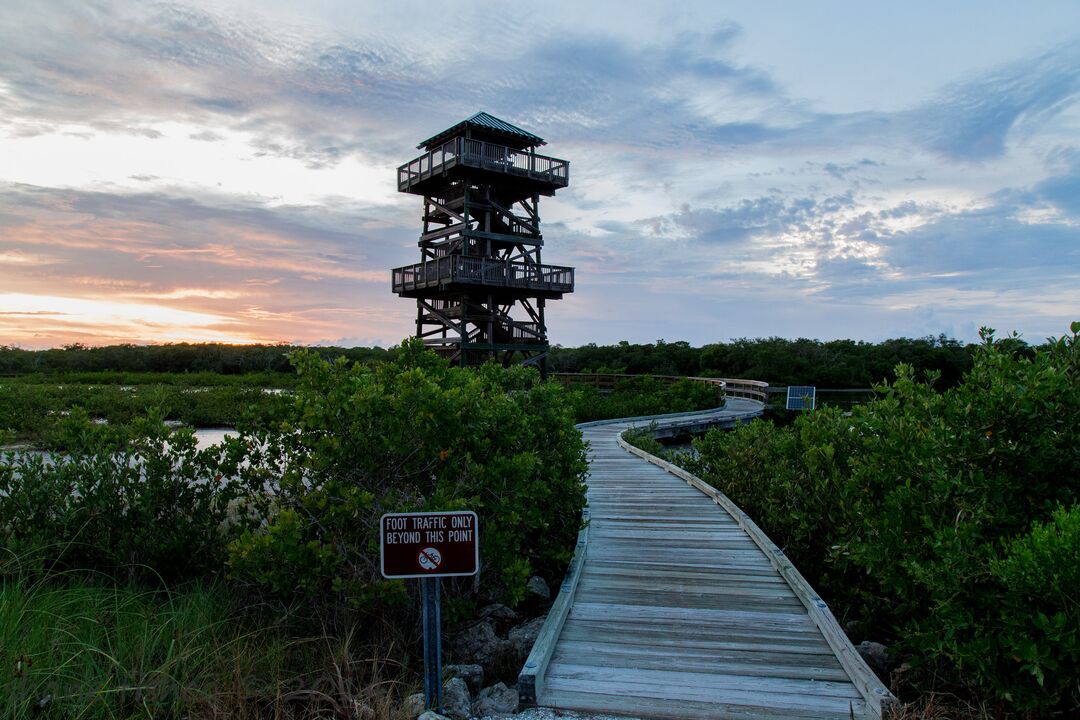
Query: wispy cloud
{"type": "Point", "coordinates": [975, 119]}
{"type": "Point", "coordinates": [18, 257]}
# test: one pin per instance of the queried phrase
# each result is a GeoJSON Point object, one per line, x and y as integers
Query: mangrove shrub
{"type": "Point", "coordinates": [410, 435]}
{"type": "Point", "coordinates": [947, 520]}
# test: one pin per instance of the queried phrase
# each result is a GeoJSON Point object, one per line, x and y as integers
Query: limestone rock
{"type": "Point", "coordinates": [901, 676]}
{"type": "Point", "coordinates": [473, 675]}
{"type": "Point", "coordinates": [876, 656]}
{"type": "Point", "coordinates": [519, 642]}
{"type": "Point", "coordinates": [537, 588]}
{"type": "Point", "coordinates": [476, 645]}
{"type": "Point", "coordinates": [413, 705]}
{"type": "Point", "coordinates": [456, 701]}
{"type": "Point", "coordinates": [499, 615]}
{"type": "Point", "coordinates": [496, 700]}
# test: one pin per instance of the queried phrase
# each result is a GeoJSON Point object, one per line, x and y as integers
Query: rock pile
{"type": "Point", "coordinates": [494, 647]}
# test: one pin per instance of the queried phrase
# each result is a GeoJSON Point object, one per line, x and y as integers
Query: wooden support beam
{"type": "Point", "coordinates": [442, 232]}
{"type": "Point", "coordinates": [448, 211]}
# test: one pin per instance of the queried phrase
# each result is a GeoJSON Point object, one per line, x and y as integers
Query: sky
{"type": "Point", "coordinates": [225, 171]}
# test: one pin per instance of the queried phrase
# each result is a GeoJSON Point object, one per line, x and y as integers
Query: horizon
{"type": "Point", "coordinates": [225, 171]}
{"type": "Point", "coordinates": [560, 346]}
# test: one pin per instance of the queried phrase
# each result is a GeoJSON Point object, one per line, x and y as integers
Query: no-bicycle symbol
{"type": "Point", "coordinates": [433, 544]}
{"type": "Point", "coordinates": [429, 558]}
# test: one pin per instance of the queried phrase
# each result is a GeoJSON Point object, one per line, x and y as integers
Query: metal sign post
{"type": "Point", "coordinates": [430, 546]}
{"type": "Point", "coordinates": [429, 589]}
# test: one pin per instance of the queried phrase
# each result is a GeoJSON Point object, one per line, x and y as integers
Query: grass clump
{"type": "Point", "coordinates": [79, 645]}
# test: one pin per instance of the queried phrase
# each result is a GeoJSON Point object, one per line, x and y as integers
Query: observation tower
{"type": "Point", "coordinates": [480, 286]}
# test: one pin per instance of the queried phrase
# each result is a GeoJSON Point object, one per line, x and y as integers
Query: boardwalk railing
{"type": "Point", "coordinates": [876, 695]}
{"type": "Point", "coordinates": [750, 389]}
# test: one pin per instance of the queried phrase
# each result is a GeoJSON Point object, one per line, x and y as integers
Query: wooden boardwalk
{"type": "Point", "coordinates": [680, 608]}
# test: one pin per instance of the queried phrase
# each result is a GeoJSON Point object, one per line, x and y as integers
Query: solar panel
{"type": "Point", "coordinates": [801, 397]}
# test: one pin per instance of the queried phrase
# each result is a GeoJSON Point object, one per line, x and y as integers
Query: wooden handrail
{"type": "Point", "coordinates": [877, 697]}
{"type": "Point", "coordinates": [752, 389]}
{"type": "Point", "coordinates": [489, 156]}
{"type": "Point", "coordinates": [482, 271]}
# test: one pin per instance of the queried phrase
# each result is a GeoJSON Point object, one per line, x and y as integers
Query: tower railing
{"type": "Point", "coordinates": [483, 271]}
{"type": "Point", "coordinates": [489, 156]}
{"type": "Point", "coordinates": [526, 331]}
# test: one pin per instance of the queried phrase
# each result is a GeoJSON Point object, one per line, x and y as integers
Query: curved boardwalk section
{"type": "Point", "coordinates": [676, 606]}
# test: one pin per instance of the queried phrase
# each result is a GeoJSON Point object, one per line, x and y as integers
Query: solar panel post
{"type": "Point", "coordinates": [801, 397]}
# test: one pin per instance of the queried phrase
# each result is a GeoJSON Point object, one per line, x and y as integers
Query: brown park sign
{"type": "Point", "coordinates": [429, 544]}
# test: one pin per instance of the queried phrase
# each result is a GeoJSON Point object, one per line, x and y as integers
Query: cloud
{"type": "Point", "coordinates": [113, 321]}
{"type": "Point", "coordinates": [20, 258]}
{"type": "Point", "coordinates": [206, 136]}
{"type": "Point", "coordinates": [319, 97]}
{"type": "Point", "coordinates": [1063, 190]}
{"type": "Point", "coordinates": [185, 293]}
{"type": "Point", "coordinates": [767, 216]}
{"type": "Point", "coordinates": [155, 226]}
{"type": "Point", "coordinates": [842, 171]}
{"type": "Point", "coordinates": [973, 120]}
{"type": "Point", "coordinates": [287, 273]}
{"type": "Point", "coordinates": [836, 249]}
{"type": "Point", "coordinates": [989, 246]}
{"type": "Point", "coordinates": [120, 67]}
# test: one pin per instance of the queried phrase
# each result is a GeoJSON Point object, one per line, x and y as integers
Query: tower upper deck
{"type": "Point", "coordinates": [484, 146]}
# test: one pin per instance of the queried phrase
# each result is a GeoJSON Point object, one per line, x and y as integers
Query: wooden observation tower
{"type": "Point", "coordinates": [480, 286]}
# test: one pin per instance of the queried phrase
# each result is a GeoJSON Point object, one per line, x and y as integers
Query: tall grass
{"type": "Point", "coordinates": [80, 646]}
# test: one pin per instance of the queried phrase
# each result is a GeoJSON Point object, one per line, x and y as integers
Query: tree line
{"type": "Point", "coordinates": [779, 361]}
{"type": "Point", "coordinates": [174, 358]}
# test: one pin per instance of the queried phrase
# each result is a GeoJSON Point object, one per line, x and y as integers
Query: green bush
{"type": "Point", "coordinates": [643, 395]}
{"type": "Point", "coordinates": [35, 410]}
{"type": "Point", "coordinates": [143, 500]}
{"type": "Point", "coordinates": [414, 434]}
{"type": "Point", "coordinates": [644, 438]}
{"type": "Point", "coordinates": [900, 511]}
{"type": "Point", "coordinates": [794, 481]}
{"type": "Point", "coordinates": [1037, 655]}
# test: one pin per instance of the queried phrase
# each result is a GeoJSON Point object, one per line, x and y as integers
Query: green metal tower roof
{"type": "Point", "coordinates": [488, 123]}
